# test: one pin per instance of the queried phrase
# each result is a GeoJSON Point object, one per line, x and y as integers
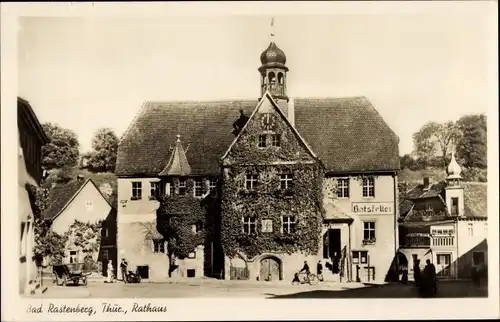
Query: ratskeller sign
{"type": "Point", "coordinates": [372, 207]}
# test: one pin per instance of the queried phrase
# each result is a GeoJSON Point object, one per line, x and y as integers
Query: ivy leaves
{"type": "Point", "coordinates": [266, 203]}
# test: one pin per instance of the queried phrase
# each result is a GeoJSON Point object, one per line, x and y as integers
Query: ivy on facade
{"type": "Point", "coordinates": [186, 221]}
{"type": "Point", "coordinates": [269, 202]}
{"type": "Point", "coordinates": [86, 237]}
{"type": "Point", "coordinates": [47, 243]}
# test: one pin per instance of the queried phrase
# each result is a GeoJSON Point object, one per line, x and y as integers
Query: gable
{"type": "Point", "coordinates": [257, 142]}
{"type": "Point", "coordinates": [88, 205]}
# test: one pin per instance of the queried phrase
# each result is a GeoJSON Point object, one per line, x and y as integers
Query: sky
{"type": "Point", "coordinates": [85, 73]}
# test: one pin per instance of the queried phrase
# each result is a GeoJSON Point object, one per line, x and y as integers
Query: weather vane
{"type": "Point", "coordinates": [272, 27]}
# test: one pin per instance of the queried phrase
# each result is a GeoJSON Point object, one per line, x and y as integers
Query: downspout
{"type": "Point", "coordinates": [350, 254]}
{"type": "Point", "coordinates": [396, 212]}
{"type": "Point", "coordinates": [458, 257]}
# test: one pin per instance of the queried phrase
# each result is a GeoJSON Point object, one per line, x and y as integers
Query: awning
{"type": "Point", "coordinates": [334, 213]}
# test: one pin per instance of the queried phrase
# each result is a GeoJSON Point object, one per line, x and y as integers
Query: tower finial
{"type": "Point", "coordinates": [178, 137]}
{"type": "Point", "coordinates": [272, 27]}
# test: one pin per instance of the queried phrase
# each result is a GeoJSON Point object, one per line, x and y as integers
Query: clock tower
{"type": "Point", "coordinates": [273, 71]}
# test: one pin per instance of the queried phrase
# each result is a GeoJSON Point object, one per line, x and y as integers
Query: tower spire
{"type": "Point", "coordinates": [272, 28]}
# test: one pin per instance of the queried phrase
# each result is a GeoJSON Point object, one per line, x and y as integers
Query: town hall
{"type": "Point", "coordinates": [252, 189]}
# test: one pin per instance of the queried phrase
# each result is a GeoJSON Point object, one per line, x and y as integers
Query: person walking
{"type": "Point", "coordinates": [123, 268]}
{"type": "Point", "coordinates": [319, 271]}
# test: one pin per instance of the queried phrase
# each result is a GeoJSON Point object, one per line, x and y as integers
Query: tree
{"type": "Point", "coordinates": [47, 243]}
{"type": "Point", "coordinates": [472, 144]}
{"type": "Point", "coordinates": [104, 145]}
{"type": "Point", "coordinates": [433, 134]}
{"type": "Point", "coordinates": [62, 149]}
{"type": "Point", "coordinates": [423, 142]}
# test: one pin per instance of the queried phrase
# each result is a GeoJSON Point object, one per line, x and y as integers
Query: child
{"type": "Point", "coordinates": [296, 279]}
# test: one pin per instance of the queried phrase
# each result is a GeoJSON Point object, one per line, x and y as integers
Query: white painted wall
{"type": "Point", "coordinates": [88, 206]}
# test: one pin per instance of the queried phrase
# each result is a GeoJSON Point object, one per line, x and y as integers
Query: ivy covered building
{"type": "Point", "coordinates": [250, 189]}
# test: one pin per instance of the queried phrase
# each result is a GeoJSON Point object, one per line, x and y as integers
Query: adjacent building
{"type": "Point", "coordinates": [287, 179]}
{"type": "Point", "coordinates": [445, 222]}
{"type": "Point", "coordinates": [31, 138]}
{"type": "Point", "coordinates": [81, 200]}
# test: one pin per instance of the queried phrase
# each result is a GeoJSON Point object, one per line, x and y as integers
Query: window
{"type": "Point", "coordinates": [454, 206]}
{"type": "Point", "coordinates": [136, 190]}
{"type": "Point", "coordinates": [286, 181]}
{"type": "Point", "coordinates": [169, 188]}
{"type": "Point", "coordinates": [369, 230]}
{"type": "Point", "coordinates": [276, 140]}
{"type": "Point", "coordinates": [368, 187]}
{"type": "Point", "coordinates": [478, 258]}
{"type": "Point", "coordinates": [198, 188]}
{"type": "Point", "coordinates": [470, 228]}
{"type": "Point", "coordinates": [262, 141]}
{"type": "Point", "coordinates": [288, 224]}
{"type": "Point", "coordinates": [158, 246]}
{"type": "Point", "coordinates": [155, 190]}
{"type": "Point", "coordinates": [428, 207]}
{"type": "Point", "coordinates": [343, 188]}
{"type": "Point", "coordinates": [357, 255]}
{"type": "Point", "coordinates": [195, 228]}
{"type": "Point", "coordinates": [88, 205]}
{"type": "Point", "coordinates": [443, 259]}
{"type": "Point", "coordinates": [249, 225]}
{"type": "Point", "coordinates": [212, 186]}
{"type": "Point", "coordinates": [251, 182]}
{"type": "Point", "coordinates": [182, 187]}
{"type": "Point", "coordinates": [104, 232]}
{"type": "Point", "coordinates": [192, 255]}
{"type": "Point", "coordinates": [104, 255]}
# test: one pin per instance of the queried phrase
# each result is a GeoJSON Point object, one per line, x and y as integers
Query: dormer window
{"type": "Point", "coordinates": [212, 186]}
{"type": "Point", "coordinates": [262, 141]}
{"type": "Point", "coordinates": [428, 207]}
{"type": "Point", "coordinates": [276, 140]}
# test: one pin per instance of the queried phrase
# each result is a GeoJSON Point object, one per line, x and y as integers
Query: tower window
{"type": "Point", "coordinates": [198, 188]}
{"type": "Point", "coordinates": [272, 78]}
{"type": "Point", "coordinates": [454, 206]}
{"type": "Point", "coordinates": [262, 141]}
{"type": "Point", "coordinates": [182, 187]}
{"type": "Point", "coordinates": [280, 78]}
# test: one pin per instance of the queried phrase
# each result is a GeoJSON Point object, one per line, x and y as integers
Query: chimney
{"type": "Point", "coordinates": [427, 182]}
{"type": "Point", "coordinates": [291, 111]}
{"type": "Point", "coordinates": [80, 177]}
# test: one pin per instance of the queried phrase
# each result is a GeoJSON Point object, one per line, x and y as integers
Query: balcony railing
{"type": "Point", "coordinates": [443, 241]}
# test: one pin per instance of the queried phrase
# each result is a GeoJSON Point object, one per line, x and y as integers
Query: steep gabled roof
{"type": "Point", "coordinates": [347, 134]}
{"type": "Point", "coordinates": [268, 96]}
{"type": "Point", "coordinates": [62, 195]}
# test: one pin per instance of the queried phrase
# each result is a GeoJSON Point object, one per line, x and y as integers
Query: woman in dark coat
{"type": "Point", "coordinates": [416, 273]}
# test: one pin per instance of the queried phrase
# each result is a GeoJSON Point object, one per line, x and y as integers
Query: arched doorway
{"type": "Point", "coordinates": [239, 269]}
{"type": "Point", "coordinates": [270, 269]}
{"type": "Point", "coordinates": [402, 261]}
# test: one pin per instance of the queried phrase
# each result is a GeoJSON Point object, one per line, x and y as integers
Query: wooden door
{"type": "Point", "coordinates": [443, 266]}
{"type": "Point", "coordinates": [269, 270]}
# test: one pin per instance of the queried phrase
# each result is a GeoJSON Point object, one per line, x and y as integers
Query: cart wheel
{"type": "Point", "coordinates": [85, 281]}
{"type": "Point", "coordinates": [64, 280]}
{"type": "Point", "coordinates": [75, 282]}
